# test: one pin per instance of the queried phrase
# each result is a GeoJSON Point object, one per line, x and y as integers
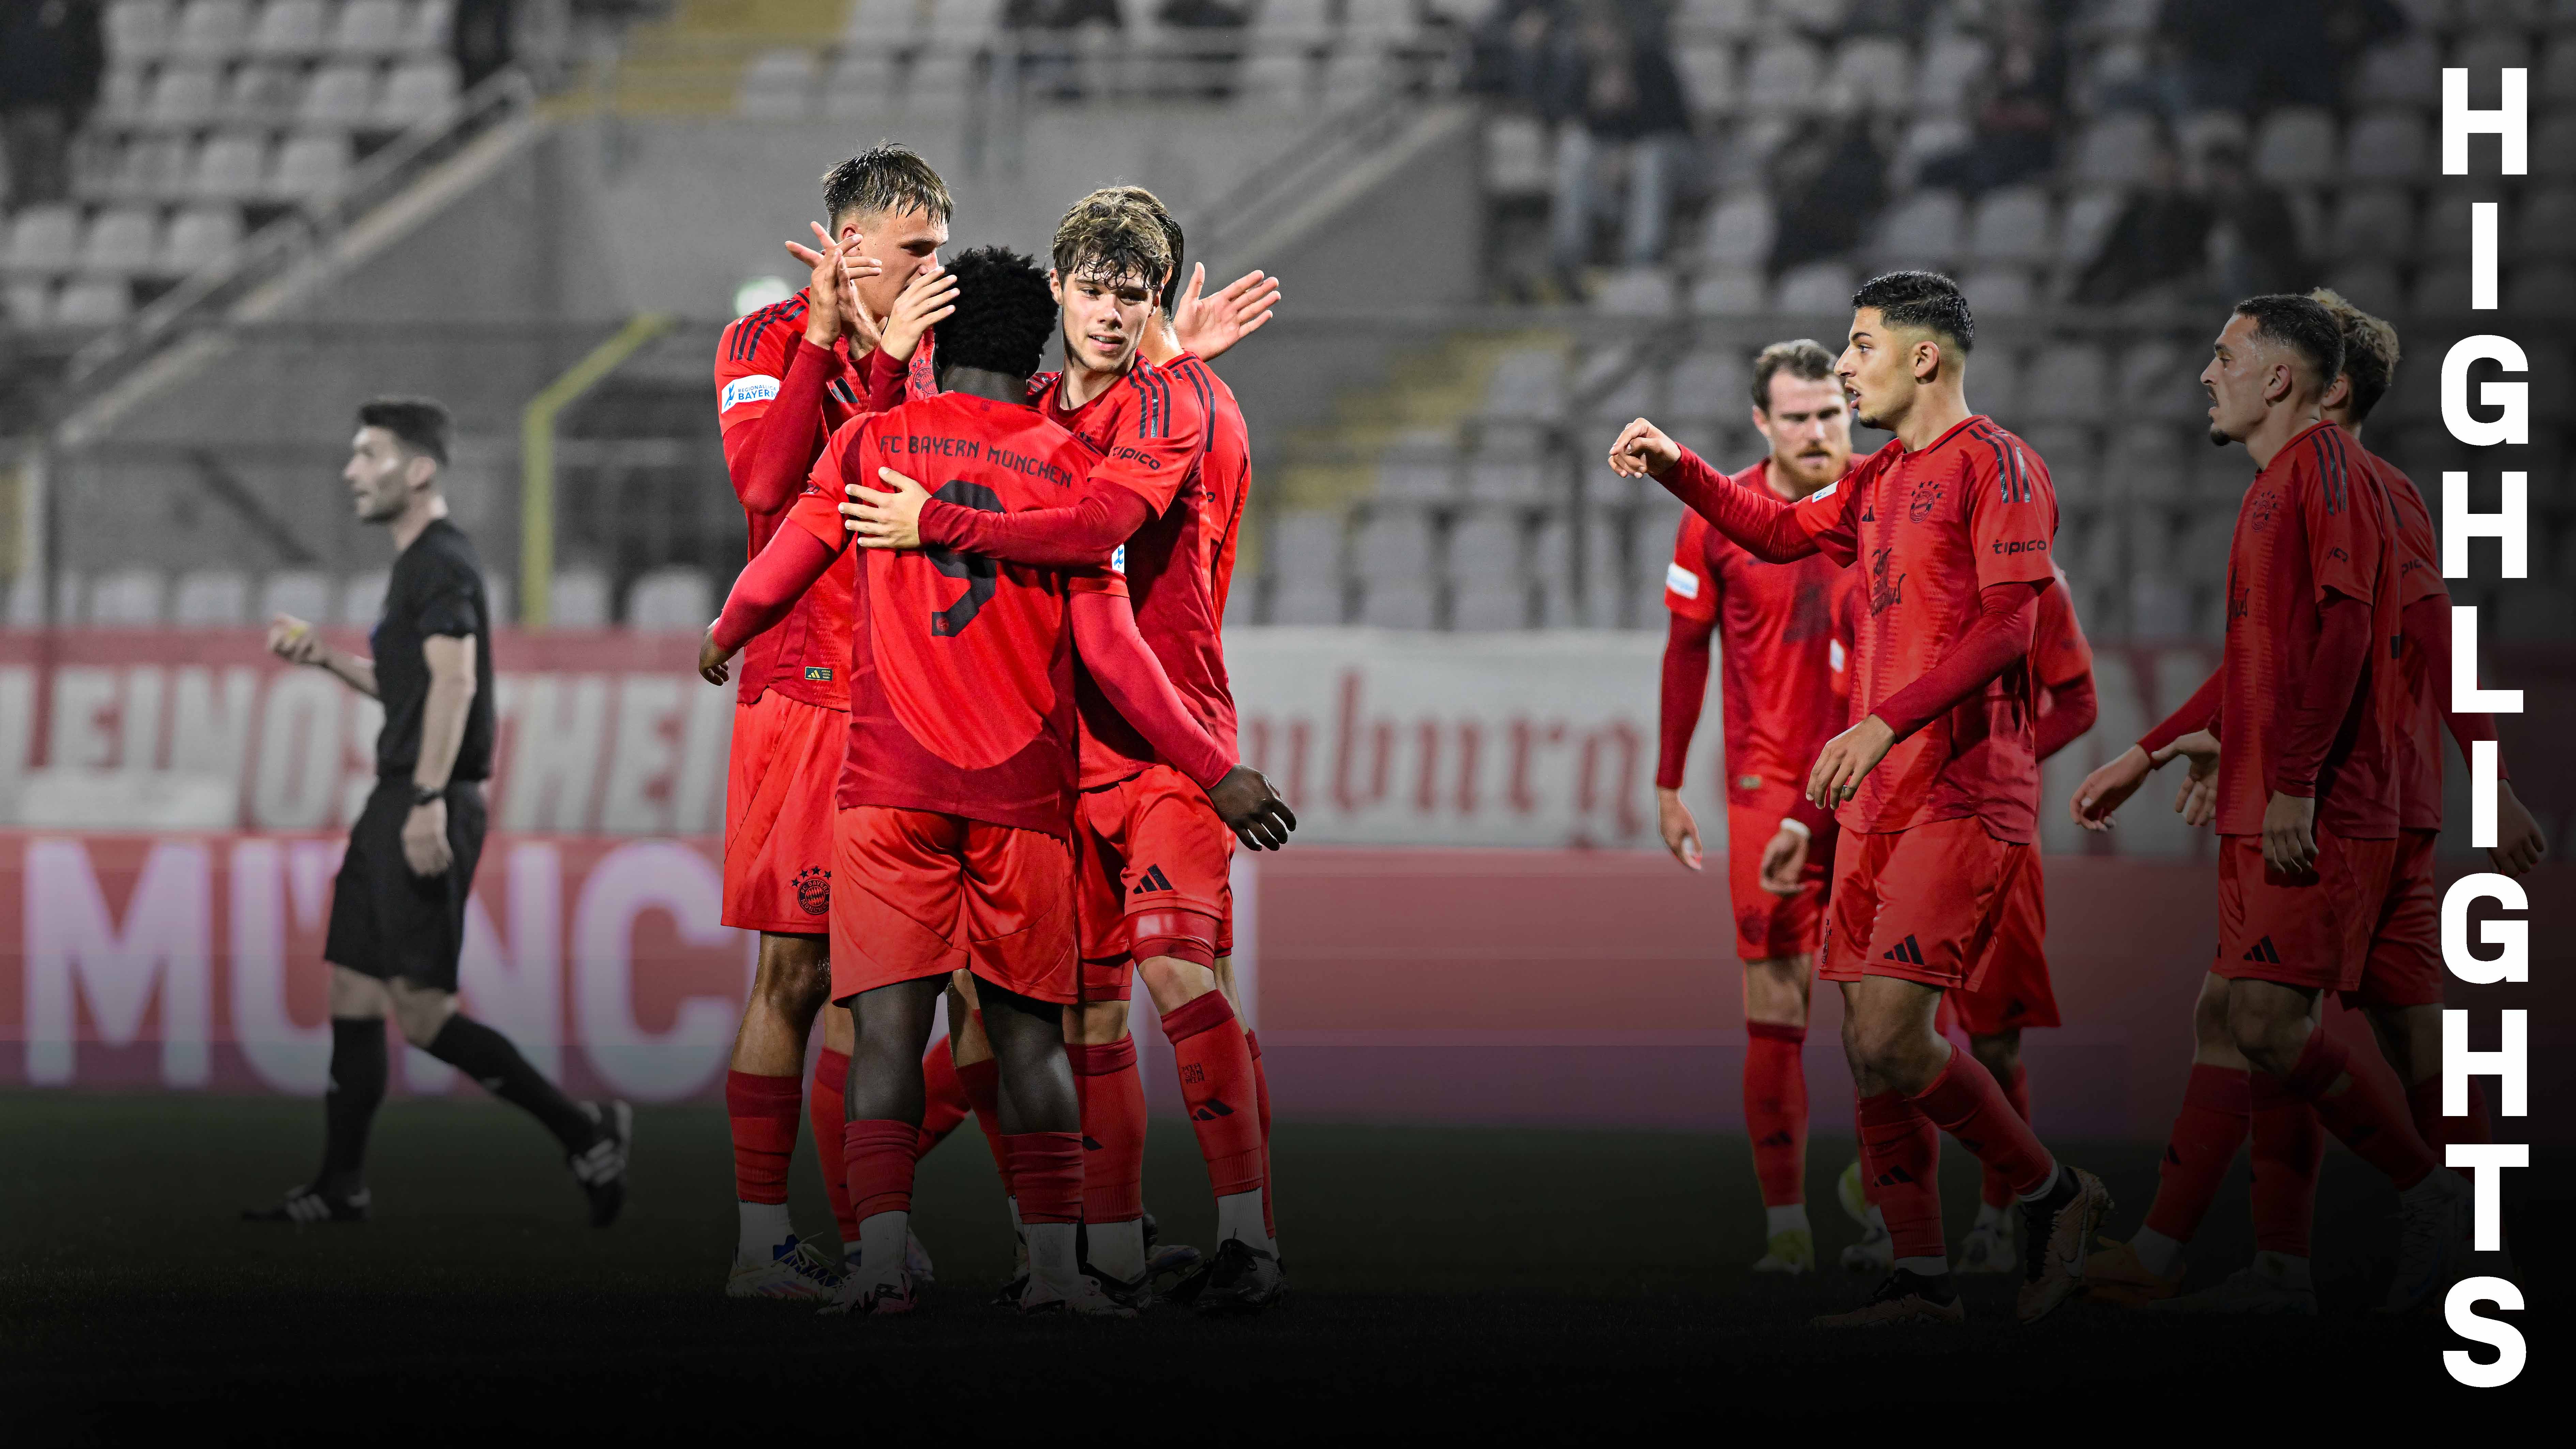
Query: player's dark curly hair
{"type": "Point", "coordinates": [1004, 314]}
{"type": "Point", "coordinates": [2369, 351]}
{"type": "Point", "coordinates": [1172, 238]}
{"type": "Point", "coordinates": [885, 178]}
{"type": "Point", "coordinates": [1921, 301]}
{"type": "Point", "coordinates": [419, 424]}
{"type": "Point", "coordinates": [2301, 324]}
{"type": "Point", "coordinates": [1113, 236]}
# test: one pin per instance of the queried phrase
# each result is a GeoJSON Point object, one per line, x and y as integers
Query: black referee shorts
{"type": "Point", "coordinates": [387, 922]}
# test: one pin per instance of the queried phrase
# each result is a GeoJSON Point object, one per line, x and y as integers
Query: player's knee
{"type": "Point", "coordinates": [421, 1015]}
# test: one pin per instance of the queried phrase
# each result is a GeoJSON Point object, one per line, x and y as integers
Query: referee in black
{"type": "Point", "coordinates": [398, 909]}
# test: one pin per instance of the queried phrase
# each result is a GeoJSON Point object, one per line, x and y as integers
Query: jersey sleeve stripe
{"type": "Point", "coordinates": [2330, 467]}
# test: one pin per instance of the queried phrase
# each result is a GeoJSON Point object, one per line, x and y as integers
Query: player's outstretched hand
{"type": "Point", "coordinates": [1846, 760]}
{"type": "Point", "coordinates": [2519, 843]}
{"type": "Point", "coordinates": [1209, 326]}
{"type": "Point", "coordinates": [2290, 834]}
{"type": "Point", "coordinates": [2197, 801]}
{"type": "Point", "coordinates": [1784, 861]}
{"type": "Point", "coordinates": [1643, 450]}
{"type": "Point", "coordinates": [1673, 821]}
{"type": "Point", "coordinates": [888, 517]}
{"type": "Point", "coordinates": [1252, 810]}
{"type": "Point", "coordinates": [293, 640]}
{"type": "Point", "coordinates": [926, 302]}
{"type": "Point", "coordinates": [2108, 788]}
{"type": "Point", "coordinates": [713, 665]}
{"type": "Point", "coordinates": [831, 291]}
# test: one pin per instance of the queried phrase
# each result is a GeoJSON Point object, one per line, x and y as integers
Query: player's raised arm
{"type": "Point", "coordinates": [767, 589]}
{"type": "Point", "coordinates": [1135, 684]}
{"type": "Point", "coordinates": [897, 512]}
{"type": "Point", "coordinates": [1765, 526]}
{"type": "Point", "coordinates": [1210, 326]}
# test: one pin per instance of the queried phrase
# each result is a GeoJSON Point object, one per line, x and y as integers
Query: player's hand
{"type": "Point", "coordinates": [1846, 760]}
{"type": "Point", "coordinates": [293, 640]}
{"type": "Point", "coordinates": [2290, 834]}
{"type": "Point", "coordinates": [2197, 801]}
{"type": "Point", "coordinates": [927, 300]}
{"type": "Point", "coordinates": [712, 659]}
{"type": "Point", "coordinates": [424, 838]}
{"type": "Point", "coordinates": [2519, 843]}
{"type": "Point", "coordinates": [888, 517]}
{"type": "Point", "coordinates": [1210, 325]}
{"type": "Point", "coordinates": [832, 289]}
{"type": "Point", "coordinates": [1643, 450]}
{"type": "Point", "coordinates": [2108, 788]}
{"type": "Point", "coordinates": [1252, 809]}
{"type": "Point", "coordinates": [1680, 832]}
{"type": "Point", "coordinates": [1784, 861]}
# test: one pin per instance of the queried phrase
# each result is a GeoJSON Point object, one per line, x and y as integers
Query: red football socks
{"type": "Point", "coordinates": [2288, 1148]}
{"type": "Point", "coordinates": [2424, 1103]}
{"type": "Point", "coordinates": [1217, 1090]}
{"type": "Point", "coordinates": [827, 1105]}
{"type": "Point", "coordinates": [1046, 1171]}
{"type": "Point", "coordinates": [1113, 1130]}
{"type": "Point", "coordinates": [2360, 1109]}
{"type": "Point", "coordinates": [763, 1112]}
{"type": "Point", "coordinates": [1261, 1095]}
{"type": "Point", "coordinates": [1900, 1156]}
{"type": "Point", "coordinates": [879, 1155]}
{"type": "Point", "coordinates": [982, 1084]}
{"type": "Point", "coordinates": [2206, 1133]}
{"type": "Point", "coordinates": [1965, 1101]}
{"type": "Point", "coordinates": [1995, 1192]}
{"type": "Point", "coordinates": [943, 1099]}
{"type": "Point", "coordinates": [1775, 1110]}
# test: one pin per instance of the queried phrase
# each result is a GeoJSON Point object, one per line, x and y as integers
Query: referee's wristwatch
{"type": "Point", "coordinates": [427, 794]}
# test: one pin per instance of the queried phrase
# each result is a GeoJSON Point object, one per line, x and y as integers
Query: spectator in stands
{"type": "Point", "coordinates": [2159, 246]}
{"type": "Point", "coordinates": [1523, 50]}
{"type": "Point", "coordinates": [1209, 34]}
{"type": "Point", "coordinates": [51, 57]}
{"type": "Point", "coordinates": [2229, 55]}
{"type": "Point", "coordinates": [1629, 107]}
{"type": "Point", "coordinates": [479, 37]}
{"type": "Point", "coordinates": [1828, 181]}
{"type": "Point", "coordinates": [2021, 104]}
{"type": "Point", "coordinates": [1049, 58]}
{"type": "Point", "coordinates": [2256, 247]}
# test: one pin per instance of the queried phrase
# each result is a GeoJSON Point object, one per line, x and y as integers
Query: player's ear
{"type": "Point", "coordinates": [1055, 286]}
{"type": "Point", "coordinates": [418, 470]}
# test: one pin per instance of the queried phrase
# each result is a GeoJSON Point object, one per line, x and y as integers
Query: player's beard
{"type": "Point", "coordinates": [375, 507]}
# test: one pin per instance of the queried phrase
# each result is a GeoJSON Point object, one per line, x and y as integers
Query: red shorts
{"type": "Point", "coordinates": [2011, 989]}
{"type": "Point", "coordinates": [1918, 904]}
{"type": "Point", "coordinates": [2404, 966]}
{"type": "Point", "coordinates": [2312, 930]}
{"type": "Point", "coordinates": [1769, 927]}
{"type": "Point", "coordinates": [1149, 843]}
{"type": "Point", "coordinates": [923, 894]}
{"type": "Point", "coordinates": [785, 762]}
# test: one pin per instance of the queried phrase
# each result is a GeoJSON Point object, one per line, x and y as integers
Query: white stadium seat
{"type": "Point", "coordinates": [362, 599]}
{"type": "Point", "coordinates": [881, 22]}
{"type": "Point", "coordinates": [27, 303]}
{"type": "Point", "coordinates": [1292, 22]}
{"type": "Point", "coordinates": [340, 94]}
{"type": "Point", "coordinates": [263, 93]}
{"type": "Point", "coordinates": [211, 599]}
{"type": "Point", "coordinates": [677, 598]}
{"type": "Point", "coordinates": [417, 91]}
{"type": "Point", "coordinates": [1784, 75]}
{"type": "Point", "coordinates": [1730, 292]}
{"type": "Point", "coordinates": [2069, 381]}
{"type": "Point", "coordinates": [1817, 289]}
{"type": "Point", "coordinates": [1731, 19]}
{"type": "Point", "coordinates": [303, 593]}
{"type": "Point", "coordinates": [2545, 222]}
{"type": "Point", "coordinates": [2296, 147]}
{"type": "Point", "coordinates": [1739, 230]}
{"type": "Point", "coordinates": [127, 598]}
{"type": "Point", "coordinates": [181, 96]}
{"type": "Point", "coordinates": [369, 28]}
{"type": "Point", "coordinates": [2012, 225]}
{"type": "Point", "coordinates": [290, 28]}
{"type": "Point", "coordinates": [1951, 68]}
{"type": "Point", "coordinates": [121, 241]}
{"type": "Point", "coordinates": [1711, 383]}
{"type": "Point", "coordinates": [2115, 150]}
{"type": "Point", "coordinates": [2371, 221]}
{"type": "Point", "coordinates": [2389, 145]}
{"type": "Point", "coordinates": [1708, 77]}
{"type": "Point", "coordinates": [779, 84]}
{"type": "Point", "coordinates": [229, 166]}
{"type": "Point", "coordinates": [212, 29]}
{"type": "Point", "coordinates": [95, 302]}
{"type": "Point", "coordinates": [1874, 73]}
{"type": "Point", "coordinates": [44, 238]}
{"type": "Point", "coordinates": [2407, 71]}
{"type": "Point", "coordinates": [138, 30]}
{"type": "Point", "coordinates": [2002, 290]}
{"type": "Point", "coordinates": [428, 28]}
{"type": "Point", "coordinates": [1638, 292]}
{"type": "Point", "coordinates": [310, 165]}
{"type": "Point", "coordinates": [1923, 230]}
{"type": "Point", "coordinates": [198, 236]}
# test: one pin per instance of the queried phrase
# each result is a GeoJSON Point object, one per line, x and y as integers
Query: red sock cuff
{"type": "Point", "coordinates": [1046, 1175]}
{"type": "Point", "coordinates": [2321, 1061]}
{"type": "Point", "coordinates": [1091, 1060]}
{"type": "Point", "coordinates": [750, 1095]}
{"type": "Point", "coordinates": [2220, 1089]}
{"type": "Point", "coordinates": [1774, 1031]}
{"type": "Point", "coordinates": [878, 1154]}
{"type": "Point", "coordinates": [1205, 1013]}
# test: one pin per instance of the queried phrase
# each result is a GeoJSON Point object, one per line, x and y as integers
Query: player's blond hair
{"type": "Point", "coordinates": [886, 179]}
{"type": "Point", "coordinates": [2369, 350]}
{"type": "Point", "coordinates": [1112, 235]}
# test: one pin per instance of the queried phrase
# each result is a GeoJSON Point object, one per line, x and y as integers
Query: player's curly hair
{"type": "Point", "coordinates": [2301, 324]}
{"type": "Point", "coordinates": [1112, 236]}
{"type": "Point", "coordinates": [885, 178]}
{"type": "Point", "coordinates": [1921, 301]}
{"type": "Point", "coordinates": [1801, 357]}
{"type": "Point", "coordinates": [1004, 314]}
{"type": "Point", "coordinates": [1172, 238]}
{"type": "Point", "coordinates": [2369, 350]}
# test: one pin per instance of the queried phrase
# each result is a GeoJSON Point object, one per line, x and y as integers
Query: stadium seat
{"type": "Point", "coordinates": [1726, 19]}
{"type": "Point", "coordinates": [2389, 146]}
{"type": "Point", "coordinates": [2067, 452]}
{"type": "Point", "coordinates": [2116, 150]}
{"type": "Point", "coordinates": [150, 167]}
{"type": "Point", "coordinates": [262, 93]}
{"type": "Point", "coordinates": [1739, 230]}
{"type": "Point", "coordinates": [1485, 548]}
{"type": "Point", "coordinates": [2085, 223]}
{"type": "Point", "coordinates": [1995, 374]}
{"type": "Point", "coordinates": [2486, 52]}
{"type": "Point", "coordinates": [1572, 594]}
{"type": "Point", "coordinates": [428, 29]}
{"type": "Point", "coordinates": [862, 83]}
{"type": "Point", "coordinates": [1923, 230]}
{"type": "Point", "coordinates": [2144, 463]}
{"type": "Point", "coordinates": [1516, 157]}
{"type": "Point", "coordinates": [1421, 469]}
{"type": "Point", "coordinates": [211, 599]}
{"type": "Point", "coordinates": [290, 28]}
{"type": "Point", "coordinates": [310, 165]}
{"type": "Point", "coordinates": [43, 239]}
{"type": "Point", "coordinates": [1710, 383]}
{"type": "Point", "coordinates": [127, 598]}
{"type": "Point", "coordinates": [677, 598]}
{"type": "Point", "coordinates": [1507, 474]}
{"type": "Point", "coordinates": [1292, 23]}
{"type": "Point", "coordinates": [181, 97]}
{"type": "Point", "coordinates": [1528, 385]}
{"type": "Point", "coordinates": [137, 30]}
{"type": "Point", "coordinates": [2200, 131]}
{"type": "Point", "coordinates": [2159, 378]}
{"type": "Point", "coordinates": [1814, 17]}
{"type": "Point", "coordinates": [882, 22]}
{"type": "Point", "coordinates": [1397, 604]}
{"type": "Point", "coordinates": [2553, 146]}
{"type": "Point", "coordinates": [1818, 289]}
{"type": "Point", "coordinates": [2067, 382]}
{"type": "Point", "coordinates": [362, 599]}
{"type": "Point", "coordinates": [2441, 289]}
{"type": "Point", "coordinates": [2444, 230]}
{"type": "Point", "coordinates": [1875, 73]}
{"type": "Point", "coordinates": [1784, 76]}
{"type": "Point", "coordinates": [1306, 544]}
{"type": "Point", "coordinates": [2402, 72]}
{"type": "Point", "coordinates": [2012, 225]}
{"type": "Point", "coordinates": [779, 84]}
{"type": "Point", "coordinates": [1926, 138]}
{"type": "Point", "coordinates": [2544, 223]}
{"type": "Point", "coordinates": [198, 236]}
{"type": "Point", "coordinates": [94, 302]}
{"type": "Point", "coordinates": [2372, 286]}
{"type": "Point", "coordinates": [2295, 146]}
{"type": "Point", "coordinates": [1730, 292]}
{"type": "Point", "coordinates": [1708, 76]}
{"type": "Point", "coordinates": [1353, 77]}
{"type": "Point", "coordinates": [1951, 68]}
{"type": "Point", "coordinates": [340, 94]}
{"type": "Point", "coordinates": [2371, 221]}
{"type": "Point", "coordinates": [120, 95]}
{"type": "Point", "coordinates": [1380, 27]}
{"type": "Point", "coordinates": [303, 593]}
{"type": "Point", "coordinates": [228, 167]}
{"type": "Point", "coordinates": [27, 303]}
{"type": "Point", "coordinates": [2547, 290]}
{"type": "Point", "coordinates": [121, 241]}
{"type": "Point", "coordinates": [580, 599]}
{"type": "Point", "coordinates": [369, 28]}
{"type": "Point", "coordinates": [212, 29]}
{"type": "Point", "coordinates": [1638, 292]}
{"type": "Point", "coordinates": [2556, 83]}
{"type": "Point", "coordinates": [416, 93]}
{"type": "Point", "coordinates": [2002, 291]}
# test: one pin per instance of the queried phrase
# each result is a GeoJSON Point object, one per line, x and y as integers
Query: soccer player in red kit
{"type": "Point", "coordinates": [2308, 700]}
{"type": "Point", "coordinates": [954, 814]}
{"type": "Point", "coordinates": [785, 378]}
{"type": "Point", "coordinates": [1784, 698]}
{"type": "Point", "coordinates": [1154, 856]}
{"type": "Point", "coordinates": [1936, 784]}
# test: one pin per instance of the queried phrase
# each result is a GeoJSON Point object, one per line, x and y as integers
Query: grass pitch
{"type": "Point", "coordinates": [1510, 1283]}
